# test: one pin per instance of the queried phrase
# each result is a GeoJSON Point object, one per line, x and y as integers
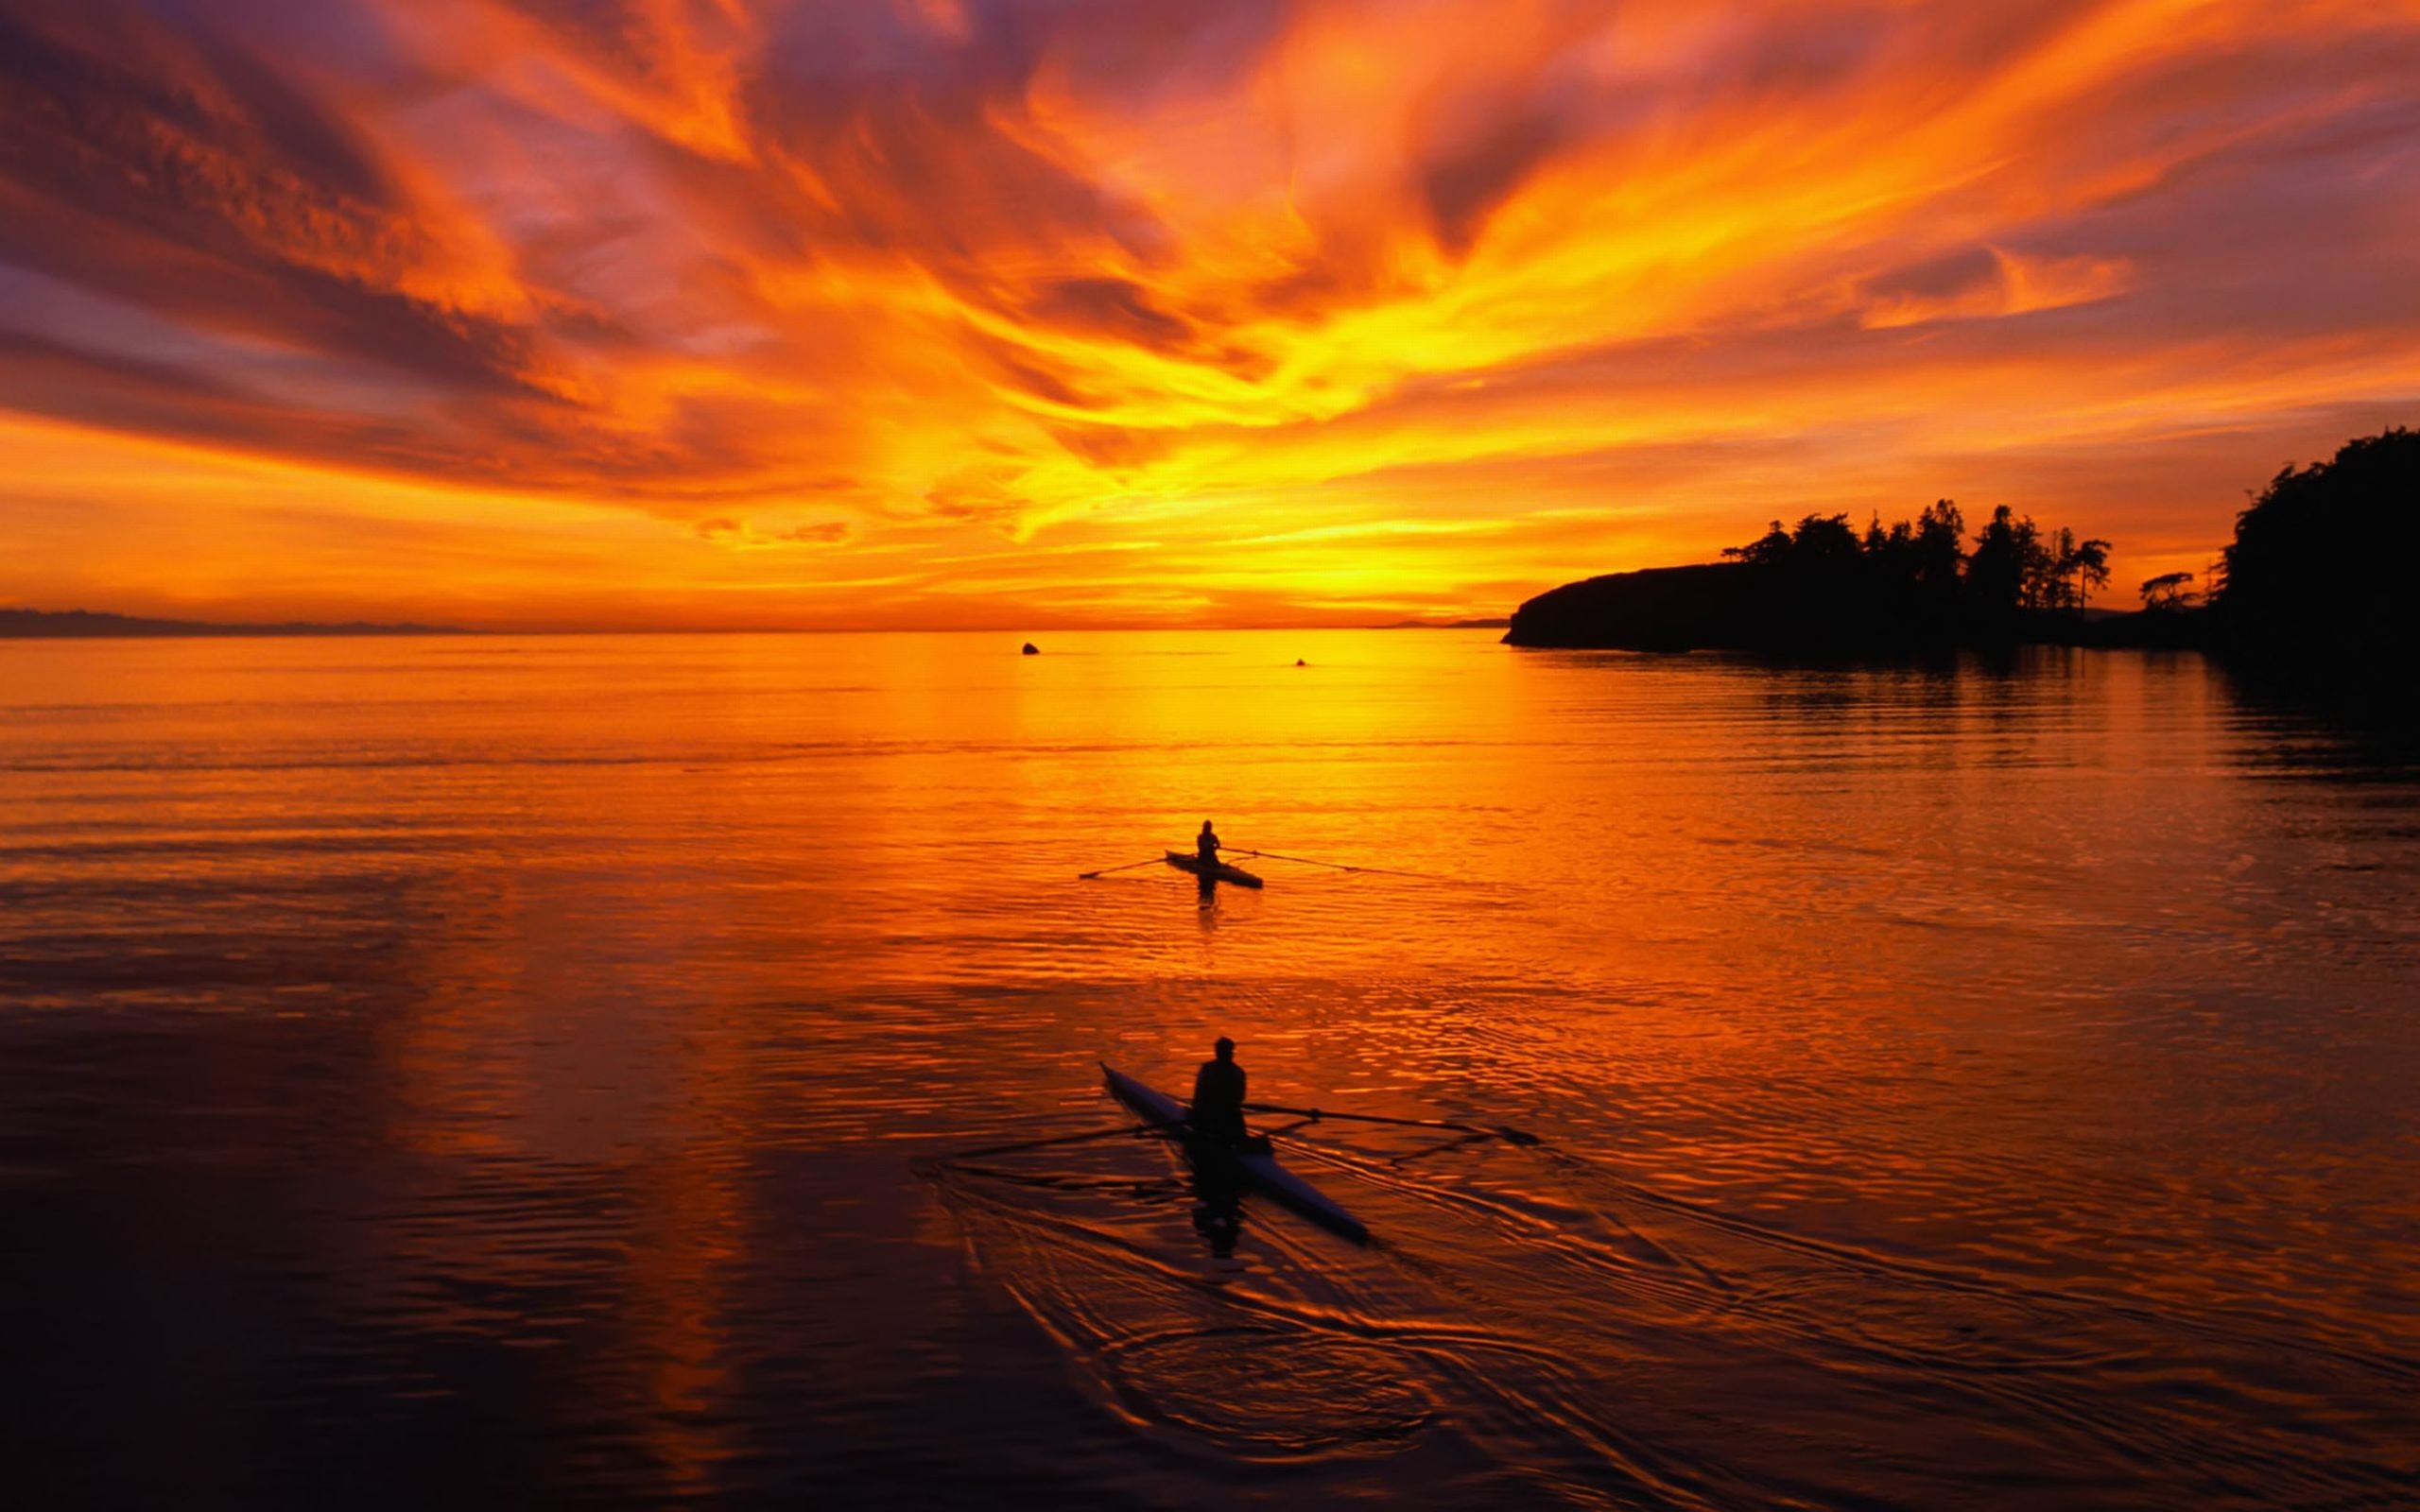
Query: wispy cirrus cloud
{"type": "Point", "coordinates": [902, 280]}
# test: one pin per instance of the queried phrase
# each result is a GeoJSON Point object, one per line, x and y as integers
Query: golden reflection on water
{"type": "Point", "coordinates": [1921, 1031]}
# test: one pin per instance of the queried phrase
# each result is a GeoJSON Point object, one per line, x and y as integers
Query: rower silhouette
{"type": "Point", "coordinates": [1218, 1096]}
{"type": "Point", "coordinates": [1205, 850]}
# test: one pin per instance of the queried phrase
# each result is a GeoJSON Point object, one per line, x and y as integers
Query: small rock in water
{"type": "Point", "coordinates": [1032, 649]}
{"type": "Point", "coordinates": [1300, 662]}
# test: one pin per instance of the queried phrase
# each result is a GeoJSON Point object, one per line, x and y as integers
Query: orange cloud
{"type": "Point", "coordinates": [718, 312]}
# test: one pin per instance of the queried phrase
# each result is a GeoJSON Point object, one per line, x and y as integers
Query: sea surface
{"type": "Point", "coordinates": [548, 1071]}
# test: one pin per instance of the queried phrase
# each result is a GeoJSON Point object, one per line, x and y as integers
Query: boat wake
{"type": "Point", "coordinates": [1548, 1327]}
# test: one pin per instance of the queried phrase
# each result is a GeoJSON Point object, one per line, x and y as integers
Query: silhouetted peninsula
{"type": "Point", "coordinates": [1820, 586]}
{"type": "Point", "coordinates": [2311, 591]}
{"type": "Point", "coordinates": [78, 623]}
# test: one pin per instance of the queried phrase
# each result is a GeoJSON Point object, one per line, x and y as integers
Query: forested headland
{"type": "Point", "coordinates": [2313, 582]}
{"type": "Point", "coordinates": [1823, 585]}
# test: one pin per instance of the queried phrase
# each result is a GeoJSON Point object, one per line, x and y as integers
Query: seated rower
{"type": "Point", "coordinates": [1218, 1096]}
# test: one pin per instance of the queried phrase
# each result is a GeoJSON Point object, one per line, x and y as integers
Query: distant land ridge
{"type": "Point", "coordinates": [83, 624]}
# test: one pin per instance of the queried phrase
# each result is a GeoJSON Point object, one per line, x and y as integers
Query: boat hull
{"type": "Point", "coordinates": [1220, 872]}
{"type": "Point", "coordinates": [1256, 1168]}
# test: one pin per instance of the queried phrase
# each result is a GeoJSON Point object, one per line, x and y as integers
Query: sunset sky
{"type": "Point", "coordinates": [721, 313]}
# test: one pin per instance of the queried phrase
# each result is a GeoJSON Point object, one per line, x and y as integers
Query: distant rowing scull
{"type": "Point", "coordinates": [1219, 870]}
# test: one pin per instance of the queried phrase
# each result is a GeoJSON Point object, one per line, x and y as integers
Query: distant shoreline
{"type": "Point", "coordinates": [93, 625]}
{"type": "Point", "coordinates": [90, 625]}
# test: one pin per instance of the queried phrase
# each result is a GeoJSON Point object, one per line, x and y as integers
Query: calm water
{"type": "Point", "coordinates": [532, 1068]}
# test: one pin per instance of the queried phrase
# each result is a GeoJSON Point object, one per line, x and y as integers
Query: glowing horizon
{"type": "Point", "coordinates": [721, 313]}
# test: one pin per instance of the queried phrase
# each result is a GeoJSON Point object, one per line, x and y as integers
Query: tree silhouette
{"type": "Point", "coordinates": [2081, 567]}
{"type": "Point", "coordinates": [1771, 549]}
{"type": "Point", "coordinates": [2318, 576]}
{"type": "Point", "coordinates": [2001, 574]}
{"type": "Point", "coordinates": [1821, 584]}
{"type": "Point", "coordinates": [2169, 592]}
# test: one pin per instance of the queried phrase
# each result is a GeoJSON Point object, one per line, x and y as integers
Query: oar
{"type": "Point", "coordinates": [1148, 1131]}
{"type": "Point", "coordinates": [1512, 1136]}
{"type": "Point", "coordinates": [1156, 861]}
{"type": "Point", "coordinates": [1334, 866]}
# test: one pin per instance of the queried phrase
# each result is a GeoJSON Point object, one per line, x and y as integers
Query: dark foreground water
{"type": "Point", "coordinates": [488, 1070]}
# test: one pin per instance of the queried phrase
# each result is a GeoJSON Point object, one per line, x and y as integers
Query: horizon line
{"type": "Point", "coordinates": [396, 629]}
